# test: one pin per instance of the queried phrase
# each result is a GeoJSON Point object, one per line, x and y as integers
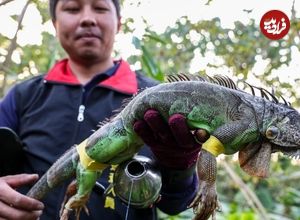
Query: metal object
{"type": "Point", "coordinates": [137, 182]}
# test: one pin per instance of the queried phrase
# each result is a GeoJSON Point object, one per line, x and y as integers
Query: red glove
{"type": "Point", "coordinates": [173, 145]}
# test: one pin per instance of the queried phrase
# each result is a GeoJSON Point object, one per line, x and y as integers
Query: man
{"type": "Point", "coordinates": [52, 112]}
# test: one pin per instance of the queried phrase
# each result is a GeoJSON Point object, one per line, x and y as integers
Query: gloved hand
{"type": "Point", "coordinates": [172, 143]}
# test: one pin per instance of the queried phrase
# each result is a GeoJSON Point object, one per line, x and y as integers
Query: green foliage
{"type": "Point", "coordinates": [150, 67]}
{"type": "Point", "coordinates": [42, 6]}
{"type": "Point", "coordinates": [235, 212]}
{"type": "Point", "coordinates": [239, 49]}
{"type": "Point", "coordinates": [278, 196]}
{"type": "Point", "coordinates": [44, 56]}
{"type": "Point", "coordinates": [173, 51]}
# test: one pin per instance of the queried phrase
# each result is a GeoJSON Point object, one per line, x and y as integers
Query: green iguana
{"type": "Point", "coordinates": [236, 121]}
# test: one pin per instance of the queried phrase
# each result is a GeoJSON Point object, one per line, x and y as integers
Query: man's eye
{"type": "Point", "coordinates": [72, 9]}
{"type": "Point", "coordinates": [101, 9]}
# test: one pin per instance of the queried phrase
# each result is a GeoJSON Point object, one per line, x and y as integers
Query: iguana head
{"type": "Point", "coordinates": [280, 133]}
{"type": "Point", "coordinates": [282, 130]}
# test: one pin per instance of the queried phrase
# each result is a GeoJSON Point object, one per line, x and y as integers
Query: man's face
{"type": "Point", "coordinates": [86, 28]}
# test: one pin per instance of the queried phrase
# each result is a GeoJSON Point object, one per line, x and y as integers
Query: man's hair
{"type": "Point", "coordinates": [53, 3]}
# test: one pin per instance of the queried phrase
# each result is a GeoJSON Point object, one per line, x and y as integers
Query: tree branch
{"type": "Point", "coordinates": [292, 177]}
{"type": "Point", "coordinates": [5, 2]}
{"type": "Point", "coordinates": [12, 47]}
{"type": "Point", "coordinates": [293, 17]}
{"type": "Point", "coordinates": [250, 196]}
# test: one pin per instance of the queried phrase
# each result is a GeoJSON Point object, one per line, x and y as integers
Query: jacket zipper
{"type": "Point", "coordinates": [80, 116]}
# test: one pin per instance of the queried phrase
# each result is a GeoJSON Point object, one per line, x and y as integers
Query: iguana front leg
{"type": "Point", "coordinates": [236, 133]}
{"type": "Point", "coordinates": [111, 144]}
{"type": "Point", "coordinates": [205, 202]}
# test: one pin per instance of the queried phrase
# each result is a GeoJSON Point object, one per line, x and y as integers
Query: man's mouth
{"type": "Point", "coordinates": [87, 35]}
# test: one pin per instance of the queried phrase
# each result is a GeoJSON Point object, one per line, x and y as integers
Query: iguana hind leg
{"type": "Point", "coordinates": [86, 180]}
{"type": "Point", "coordinates": [205, 202]}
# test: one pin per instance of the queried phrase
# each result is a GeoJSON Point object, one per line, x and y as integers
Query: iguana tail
{"type": "Point", "coordinates": [60, 171]}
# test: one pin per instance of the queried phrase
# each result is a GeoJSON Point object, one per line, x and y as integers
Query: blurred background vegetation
{"type": "Point", "coordinates": [235, 52]}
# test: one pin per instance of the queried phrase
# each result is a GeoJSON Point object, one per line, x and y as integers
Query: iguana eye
{"type": "Point", "coordinates": [272, 132]}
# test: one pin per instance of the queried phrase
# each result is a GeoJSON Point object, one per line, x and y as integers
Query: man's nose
{"type": "Point", "coordinates": [88, 18]}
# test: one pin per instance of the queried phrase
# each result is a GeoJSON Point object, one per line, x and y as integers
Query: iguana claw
{"type": "Point", "coordinates": [75, 203]}
{"type": "Point", "coordinates": [205, 203]}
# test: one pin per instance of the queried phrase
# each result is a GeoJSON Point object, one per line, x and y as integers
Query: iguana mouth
{"type": "Point", "coordinates": [292, 152]}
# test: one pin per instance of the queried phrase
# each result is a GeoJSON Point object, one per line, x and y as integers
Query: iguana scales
{"type": "Point", "coordinates": [236, 121]}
